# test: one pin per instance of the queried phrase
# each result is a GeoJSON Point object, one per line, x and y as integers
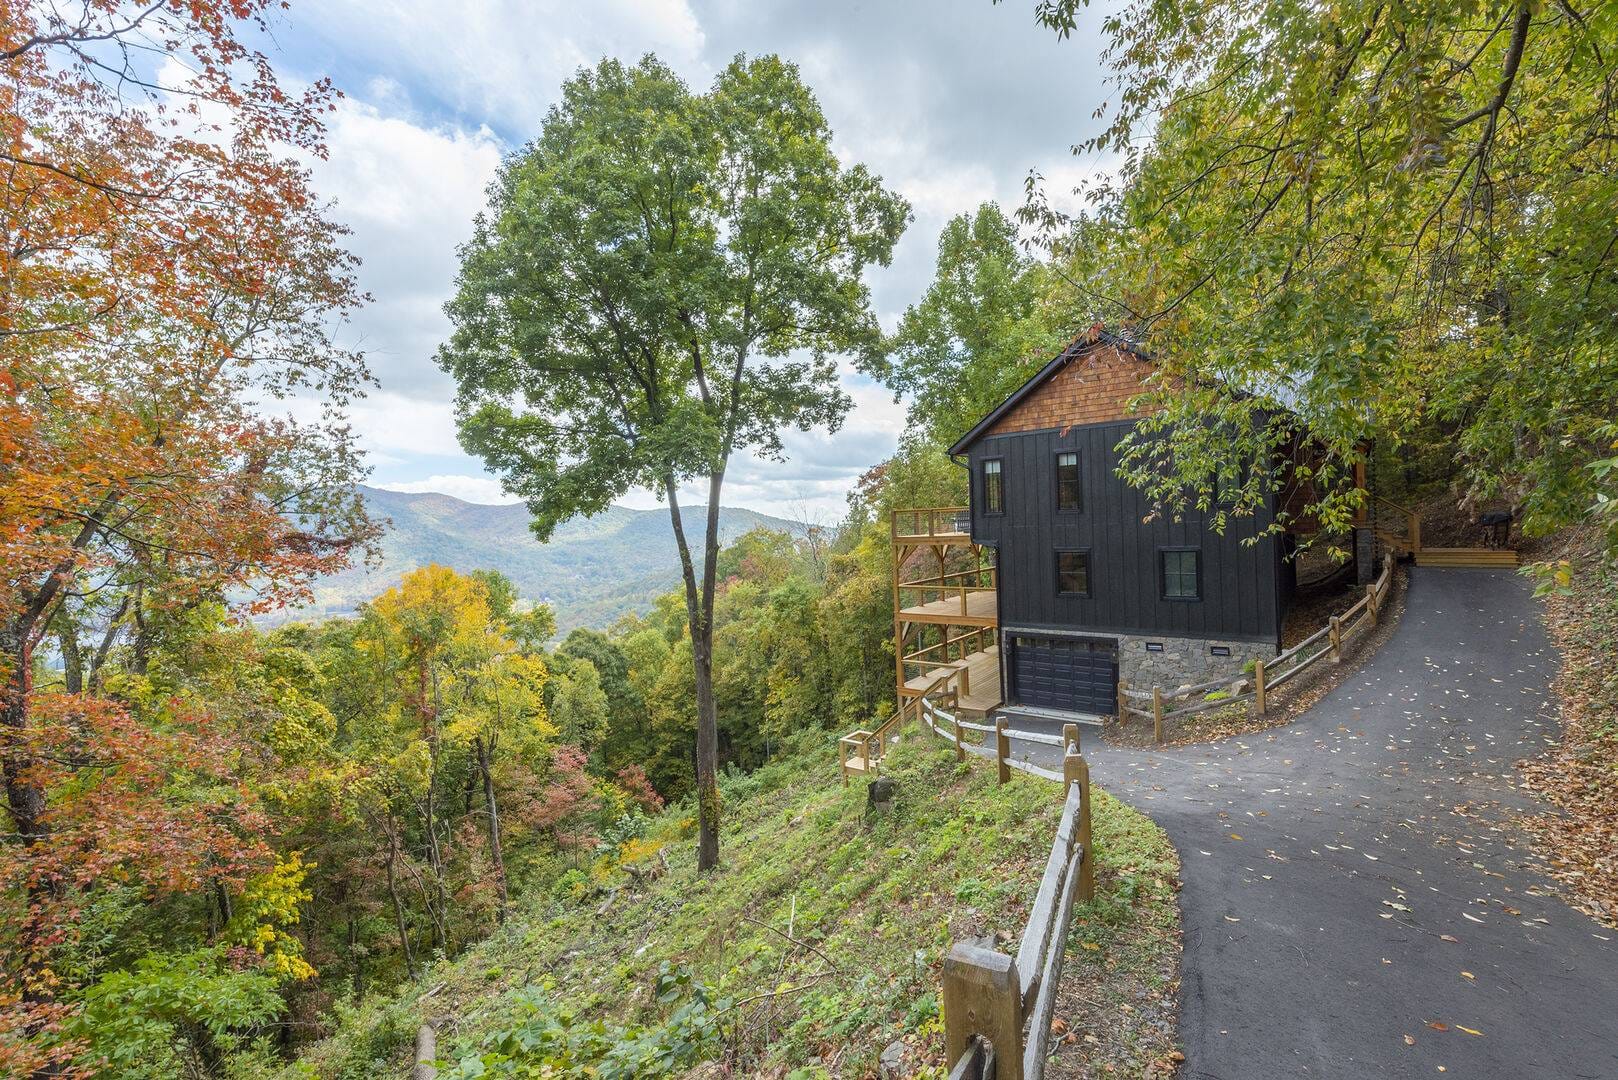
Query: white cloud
{"type": "Point", "coordinates": [409, 192]}
{"type": "Point", "coordinates": [499, 59]}
{"type": "Point", "coordinates": [472, 489]}
{"type": "Point", "coordinates": [951, 107]}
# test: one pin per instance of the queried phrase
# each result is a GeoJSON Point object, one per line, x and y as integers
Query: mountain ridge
{"type": "Point", "coordinates": [592, 570]}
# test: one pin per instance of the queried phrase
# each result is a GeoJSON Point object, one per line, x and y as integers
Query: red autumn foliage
{"type": "Point", "coordinates": [564, 805]}
{"type": "Point", "coordinates": [633, 782]}
{"type": "Point", "coordinates": [167, 268]}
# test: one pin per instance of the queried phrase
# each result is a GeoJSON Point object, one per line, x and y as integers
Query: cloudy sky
{"type": "Point", "coordinates": [952, 102]}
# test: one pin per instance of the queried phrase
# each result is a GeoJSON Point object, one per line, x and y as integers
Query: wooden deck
{"type": "Point", "coordinates": [979, 609]}
{"type": "Point", "coordinates": [982, 680]}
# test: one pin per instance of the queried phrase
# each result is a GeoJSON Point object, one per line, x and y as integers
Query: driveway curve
{"type": "Point", "coordinates": [1357, 902]}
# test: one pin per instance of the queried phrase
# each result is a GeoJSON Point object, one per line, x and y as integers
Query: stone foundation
{"type": "Point", "coordinates": [1183, 661]}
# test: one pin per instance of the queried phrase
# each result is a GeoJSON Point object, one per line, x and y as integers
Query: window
{"type": "Point", "coordinates": [1182, 574]}
{"type": "Point", "coordinates": [1073, 573]}
{"type": "Point", "coordinates": [1067, 480]}
{"type": "Point", "coordinates": [994, 490]}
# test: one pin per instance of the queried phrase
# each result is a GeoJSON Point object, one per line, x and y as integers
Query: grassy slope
{"type": "Point", "coordinates": [881, 900]}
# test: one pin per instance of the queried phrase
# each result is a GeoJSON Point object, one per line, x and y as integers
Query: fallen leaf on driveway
{"type": "Point", "coordinates": [1449, 937]}
{"type": "Point", "coordinates": [1437, 1025]}
{"type": "Point", "coordinates": [1410, 1040]}
{"type": "Point", "coordinates": [1474, 918]}
{"type": "Point", "coordinates": [1469, 1031]}
{"type": "Point", "coordinates": [1468, 975]}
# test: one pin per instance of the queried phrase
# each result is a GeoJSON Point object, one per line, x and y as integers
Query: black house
{"type": "Point", "coordinates": [1091, 586]}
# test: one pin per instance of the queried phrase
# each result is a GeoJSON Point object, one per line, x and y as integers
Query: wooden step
{"type": "Point", "coordinates": [1491, 558]}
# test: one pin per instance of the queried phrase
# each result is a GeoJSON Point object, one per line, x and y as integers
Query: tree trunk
{"type": "Point", "coordinates": [435, 854]}
{"type": "Point", "coordinates": [398, 905]}
{"type": "Point", "coordinates": [699, 620]}
{"type": "Point", "coordinates": [485, 756]}
{"type": "Point", "coordinates": [72, 660]}
{"type": "Point", "coordinates": [25, 800]}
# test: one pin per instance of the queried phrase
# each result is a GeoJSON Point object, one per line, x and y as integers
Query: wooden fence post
{"type": "Point", "coordinates": [983, 996]}
{"type": "Point", "coordinates": [1002, 758]}
{"type": "Point", "coordinates": [1336, 640]}
{"type": "Point", "coordinates": [1123, 700]}
{"type": "Point", "coordinates": [1157, 714]}
{"type": "Point", "coordinates": [1258, 686]}
{"type": "Point", "coordinates": [960, 751]}
{"type": "Point", "coordinates": [1370, 602]}
{"type": "Point", "coordinates": [1075, 770]}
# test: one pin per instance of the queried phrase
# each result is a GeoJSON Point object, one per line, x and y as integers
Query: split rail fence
{"type": "Point", "coordinates": [997, 1006]}
{"type": "Point", "coordinates": [1159, 705]}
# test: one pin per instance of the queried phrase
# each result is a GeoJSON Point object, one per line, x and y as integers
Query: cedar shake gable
{"type": "Point", "coordinates": [1089, 382]}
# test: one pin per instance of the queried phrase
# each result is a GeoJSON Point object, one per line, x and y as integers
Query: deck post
{"type": "Point", "coordinates": [1002, 749]}
{"type": "Point", "coordinates": [1157, 714]}
{"type": "Point", "coordinates": [1336, 640]}
{"type": "Point", "coordinates": [983, 996]}
{"type": "Point", "coordinates": [1258, 686]}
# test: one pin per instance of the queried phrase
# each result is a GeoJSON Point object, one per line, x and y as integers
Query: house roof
{"type": "Point", "coordinates": [1080, 345]}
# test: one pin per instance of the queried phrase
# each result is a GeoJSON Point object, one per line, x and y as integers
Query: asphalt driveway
{"type": "Point", "coordinates": [1356, 902]}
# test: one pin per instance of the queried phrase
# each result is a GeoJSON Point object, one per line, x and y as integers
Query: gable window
{"type": "Point", "coordinates": [1182, 573]}
{"type": "Point", "coordinates": [1067, 480]}
{"type": "Point", "coordinates": [994, 487]}
{"type": "Point", "coordinates": [1073, 573]}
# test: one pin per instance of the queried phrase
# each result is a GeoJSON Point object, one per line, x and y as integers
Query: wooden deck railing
{"type": "Point", "coordinates": [932, 522]}
{"type": "Point", "coordinates": [1158, 705]}
{"type": "Point", "coordinates": [954, 585]}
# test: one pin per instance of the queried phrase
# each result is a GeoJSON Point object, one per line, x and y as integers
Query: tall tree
{"type": "Point", "coordinates": [660, 283]}
{"type": "Point", "coordinates": [1372, 214]}
{"type": "Point", "coordinates": [979, 331]}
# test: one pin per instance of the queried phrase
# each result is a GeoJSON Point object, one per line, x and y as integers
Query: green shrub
{"type": "Point", "coordinates": [549, 1040]}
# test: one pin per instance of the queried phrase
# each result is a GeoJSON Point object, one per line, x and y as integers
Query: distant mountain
{"type": "Point", "coordinates": [592, 571]}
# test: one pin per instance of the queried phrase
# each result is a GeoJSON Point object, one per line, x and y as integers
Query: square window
{"type": "Point", "coordinates": [994, 491]}
{"type": "Point", "coordinates": [1182, 575]}
{"type": "Point", "coordinates": [1073, 573]}
{"type": "Point", "coordinates": [1067, 480]}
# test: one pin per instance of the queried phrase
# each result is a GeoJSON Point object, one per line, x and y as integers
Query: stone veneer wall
{"type": "Point", "coordinates": [1183, 661]}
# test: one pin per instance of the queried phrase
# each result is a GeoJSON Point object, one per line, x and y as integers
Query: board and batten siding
{"type": "Point", "coordinates": [1240, 586]}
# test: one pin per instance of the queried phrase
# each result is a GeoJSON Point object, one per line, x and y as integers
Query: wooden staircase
{"type": "Point", "coordinates": [1481, 558]}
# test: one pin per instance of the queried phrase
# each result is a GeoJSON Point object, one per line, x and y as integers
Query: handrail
{"type": "Point", "coordinates": [1412, 521]}
{"type": "Point", "coordinates": [873, 743]}
{"type": "Point", "coordinates": [932, 515]}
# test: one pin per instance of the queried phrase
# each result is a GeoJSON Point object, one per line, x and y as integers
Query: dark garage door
{"type": "Point", "coordinates": [1061, 673]}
